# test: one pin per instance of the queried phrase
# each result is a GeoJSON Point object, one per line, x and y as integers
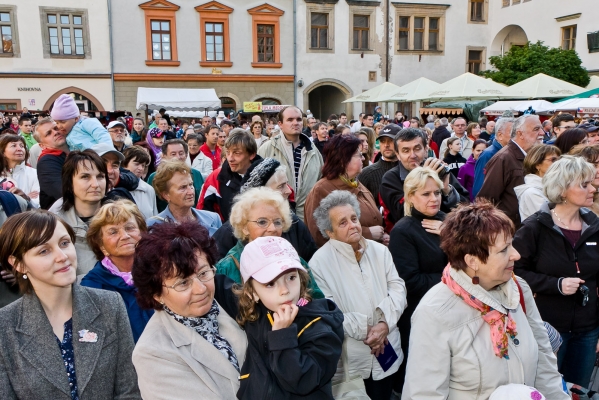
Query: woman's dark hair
{"type": "Point", "coordinates": [5, 139]}
{"type": "Point", "coordinates": [135, 153]}
{"type": "Point", "coordinates": [21, 233]}
{"type": "Point", "coordinates": [75, 160]}
{"type": "Point", "coordinates": [473, 229]}
{"type": "Point", "coordinates": [477, 142]}
{"type": "Point", "coordinates": [168, 250]}
{"type": "Point", "coordinates": [152, 165]}
{"type": "Point", "coordinates": [569, 139]}
{"type": "Point", "coordinates": [338, 152]}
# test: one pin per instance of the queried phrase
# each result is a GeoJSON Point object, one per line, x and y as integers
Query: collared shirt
{"type": "Point", "coordinates": [521, 149]}
{"type": "Point", "coordinates": [297, 160]}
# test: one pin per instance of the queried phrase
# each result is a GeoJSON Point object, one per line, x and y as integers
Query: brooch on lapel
{"type": "Point", "coordinates": [87, 336]}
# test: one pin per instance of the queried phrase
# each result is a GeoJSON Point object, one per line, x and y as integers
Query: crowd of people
{"type": "Point", "coordinates": [295, 258]}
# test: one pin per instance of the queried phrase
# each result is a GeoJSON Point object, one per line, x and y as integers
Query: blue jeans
{"type": "Point", "coordinates": [576, 357]}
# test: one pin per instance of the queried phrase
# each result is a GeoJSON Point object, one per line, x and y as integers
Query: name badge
{"type": "Point", "coordinates": [591, 243]}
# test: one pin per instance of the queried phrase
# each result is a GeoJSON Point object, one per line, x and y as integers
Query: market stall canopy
{"type": "Point", "coordinates": [519, 106]}
{"type": "Point", "coordinates": [543, 86]}
{"type": "Point", "coordinates": [589, 94]}
{"type": "Point", "coordinates": [467, 87]}
{"type": "Point", "coordinates": [594, 83]}
{"type": "Point", "coordinates": [581, 106]}
{"type": "Point", "coordinates": [377, 94]}
{"type": "Point", "coordinates": [414, 90]}
{"type": "Point", "coordinates": [177, 99]}
{"type": "Point", "coordinates": [470, 109]}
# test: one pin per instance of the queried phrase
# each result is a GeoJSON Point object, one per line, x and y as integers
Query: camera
{"type": "Point", "coordinates": [443, 173]}
{"type": "Point", "coordinates": [584, 295]}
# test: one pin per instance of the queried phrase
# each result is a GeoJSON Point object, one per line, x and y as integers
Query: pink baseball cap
{"type": "Point", "coordinates": [267, 257]}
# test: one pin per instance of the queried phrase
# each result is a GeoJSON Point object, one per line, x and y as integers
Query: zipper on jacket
{"type": "Point", "coordinates": [576, 262]}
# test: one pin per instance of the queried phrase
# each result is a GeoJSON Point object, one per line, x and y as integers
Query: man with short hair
{"type": "Point", "coordinates": [224, 183]}
{"type": "Point", "coordinates": [358, 124]}
{"type": "Point", "coordinates": [372, 176]}
{"type": "Point", "coordinates": [459, 130]}
{"type": "Point", "coordinates": [430, 122]}
{"type": "Point", "coordinates": [441, 133]}
{"type": "Point", "coordinates": [164, 127]}
{"type": "Point", "coordinates": [484, 133]}
{"type": "Point", "coordinates": [206, 121]}
{"type": "Point", "coordinates": [411, 150]}
{"type": "Point", "coordinates": [503, 134]}
{"type": "Point", "coordinates": [399, 118]}
{"type": "Point", "coordinates": [343, 119]}
{"type": "Point", "coordinates": [116, 129]}
{"type": "Point", "coordinates": [222, 136]}
{"type": "Point", "coordinates": [226, 126]}
{"type": "Point", "coordinates": [505, 170]}
{"type": "Point", "coordinates": [49, 164]}
{"type": "Point", "coordinates": [592, 133]}
{"type": "Point", "coordinates": [322, 136]}
{"type": "Point", "coordinates": [415, 122]}
{"type": "Point", "coordinates": [295, 150]}
{"type": "Point", "coordinates": [25, 130]}
{"type": "Point", "coordinates": [548, 129]}
{"type": "Point", "coordinates": [368, 120]}
{"type": "Point", "coordinates": [491, 131]}
{"type": "Point", "coordinates": [210, 148]}
{"type": "Point", "coordinates": [561, 123]}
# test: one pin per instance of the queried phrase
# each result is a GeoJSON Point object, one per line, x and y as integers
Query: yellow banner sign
{"type": "Point", "coordinates": [253, 106]}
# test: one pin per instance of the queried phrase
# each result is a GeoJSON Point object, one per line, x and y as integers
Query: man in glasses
{"type": "Point", "coordinates": [459, 130]}
{"type": "Point", "coordinates": [561, 123]}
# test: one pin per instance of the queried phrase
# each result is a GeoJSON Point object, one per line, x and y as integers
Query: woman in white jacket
{"type": "Point", "coordinates": [536, 163]}
{"type": "Point", "coordinates": [14, 150]}
{"type": "Point", "coordinates": [360, 277]}
{"type": "Point", "coordinates": [196, 159]}
{"type": "Point", "coordinates": [479, 328]}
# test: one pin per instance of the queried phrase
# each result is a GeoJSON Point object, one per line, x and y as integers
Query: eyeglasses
{"type": "Point", "coordinates": [265, 222]}
{"type": "Point", "coordinates": [187, 283]}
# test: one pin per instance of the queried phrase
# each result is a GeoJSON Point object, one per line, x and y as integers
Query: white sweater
{"type": "Point", "coordinates": [26, 180]}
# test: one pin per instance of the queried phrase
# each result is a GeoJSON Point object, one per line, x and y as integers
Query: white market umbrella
{"type": "Point", "coordinates": [377, 94]}
{"type": "Point", "coordinates": [519, 106]}
{"type": "Point", "coordinates": [414, 90]}
{"type": "Point", "coordinates": [467, 87]}
{"type": "Point", "coordinates": [594, 83]}
{"type": "Point", "coordinates": [543, 86]}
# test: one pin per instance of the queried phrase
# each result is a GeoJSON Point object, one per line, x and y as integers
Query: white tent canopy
{"type": "Point", "coordinates": [540, 107]}
{"type": "Point", "coordinates": [543, 86]}
{"type": "Point", "coordinates": [177, 99]}
{"type": "Point", "coordinates": [594, 83]}
{"type": "Point", "coordinates": [378, 93]}
{"type": "Point", "coordinates": [414, 90]}
{"type": "Point", "coordinates": [581, 106]}
{"type": "Point", "coordinates": [467, 87]}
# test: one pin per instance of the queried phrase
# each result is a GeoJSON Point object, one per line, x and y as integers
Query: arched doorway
{"type": "Point", "coordinates": [85, 100]}
{"type": "Point", "coordinates": [227, 105]}
{"type": "Point", "coordinates": [326, 97]}
{"type": "Point", "coordinates": [511, 35]}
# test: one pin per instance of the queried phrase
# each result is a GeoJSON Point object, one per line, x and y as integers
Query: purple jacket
{"type": "Point", "coordinates": [466, 175]}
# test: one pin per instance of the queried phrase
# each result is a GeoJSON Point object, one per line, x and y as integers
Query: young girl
{"type": "Point", "coordinates": [294, 344]}
{"type": "Point", "coordinates": [452, 156]}
{"type": "Point", "coordinates": [155, 139]}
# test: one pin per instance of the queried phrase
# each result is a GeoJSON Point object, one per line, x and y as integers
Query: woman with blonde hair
{"type": "Point", "coordinates": [590, 154]}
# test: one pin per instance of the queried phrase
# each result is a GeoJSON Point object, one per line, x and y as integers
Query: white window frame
{"type": "Point", "coordinates": [82, 12]}
{"type": "Point", "coordinates": [426, 11]}
{"type": "Point", "coordinates": [320, 9]}
{"type": "Point", "coordinates": [14, 31]}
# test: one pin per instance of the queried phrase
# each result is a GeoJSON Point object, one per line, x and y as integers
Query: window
{"type": "Point", "coordinates": [420, 28]}
{"type": "Point", "coordinates": [419, 33]}
{"type": "Point", "coordinates": [7, 106]}
{"type": "Point", "coordinates": [6, 32]}
{"type": "Point", "coordinates": [214, 34]}
{"type": "Point", "coordinates": [361, 32]}
{"type": "Point", "coordinates": [593, 42]}
{"type": "Point", "coordinates": [214, 42]}
{"type": "Point", "coordinates": [65, 33]}
{"type": "Point", "coordinates": [506, 3]}
{"type": "Point", "coordinates": [477, 10]}
{"type": "Point", "coordinates": [569, 37]}
{"type": "Point", "coordinates": [319, 30]}
{"type": "Point", "coordinates": [474, 61]}
{"type": "Point", "coordinates": [161, 33]}
{"type": "Point", "coordinates": [433, 33]}
{"type": "Point", "coordinates": [266, 36]}
{"type": "Point", "coordinates": [404, 33]}
{"type": "Point", "coordinates": [161, 40]}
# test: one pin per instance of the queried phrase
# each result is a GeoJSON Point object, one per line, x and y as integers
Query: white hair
{"type": "Point", "coordinates": [565, 173]}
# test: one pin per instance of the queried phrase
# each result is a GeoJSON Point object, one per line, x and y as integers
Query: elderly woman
{"type": "Point", "coordinates": [416, 246]}
{"type": "Point", "coordinates": [113, 234]}
{"type": "Point", "coordinates": [84, 185]}
{"type": "Point", "coordinates": [479, 328]}
{"type": "Point", "coordinates": [271, 174]}
{"type": "Point", "coordinates": [536, 163]}
{"type": "Point", "coordinates": [60, 340]}
{"type": "Point", "coordinates": [359, 276]}
{"type": "Point", "coordinates": [591, 155]}
{"type": "Point", "coordinates": [558, 245]}
{"type": "Point", "coordinates": [173, 182]}
{"type": "Point", "coordinates": [343, 164]}
{"type": "Point", "coordinates": [14, 150]}
{"type": "Point", "coordinates": [257, 212]}
{"type": "Point", "coordinates": [190, 348]}
{"type": "Point", "coordinates": [256, 128]}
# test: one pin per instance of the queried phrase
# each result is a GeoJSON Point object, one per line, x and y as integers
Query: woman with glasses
{"type": "Point", "coordinates": [258, 212]}
{"type": "Point", "coordinates": [344, 161]}
{"type": "Point", "coordinates": [191, 348]}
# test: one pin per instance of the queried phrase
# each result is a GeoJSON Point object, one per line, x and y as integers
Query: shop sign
{"type": "Point", "coordinates": [500, 112]}
{"type": "Point", "coordinates": [588, 110]}
{"type": "Point", "coordinates": [252, 106]}
{"type": "Point", "coordinates": [273, 108]}
{"type": "Point", "coordinates": [29, 89]}
{"type": "Point", "coordinates": [31, 102]}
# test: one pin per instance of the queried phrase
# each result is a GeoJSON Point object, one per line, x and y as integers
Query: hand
{"type": "Point", "coordinates": [376, 351]}
{"type": "Point", "coordinates": [377, 335]}
{"type": "Point", "coordinates": [8, 277]}
{"type": "Point", "coordinates": [385, 239]}
{"type": "Point", "coordinates": [34, 195]}
{"type": "Point", "coordinates": [284, 317]}
{"type": "Point", "coordinates": [437, 165]}
{"type": "Point", "coordinates": [571, 285]}
{"type": "Point", "coordinates": [377, 232]}
{"type": "Point", "coordinates": [432, 226]}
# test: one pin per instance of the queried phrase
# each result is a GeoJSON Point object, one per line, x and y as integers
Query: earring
{"type": "Point", "coordinates": [475, 279]}
{"type": "Point", "coordinates": [24, 276]}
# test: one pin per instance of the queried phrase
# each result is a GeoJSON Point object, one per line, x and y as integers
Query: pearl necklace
{"type": "Point", "coordinates": [559, 220]}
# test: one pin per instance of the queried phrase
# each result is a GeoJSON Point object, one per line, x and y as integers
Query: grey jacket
{"type": "Point", "coordinates": [31, 366]}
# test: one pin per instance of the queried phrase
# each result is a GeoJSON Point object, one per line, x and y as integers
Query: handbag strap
{"type": "Point", "coordinates": [521, 295]}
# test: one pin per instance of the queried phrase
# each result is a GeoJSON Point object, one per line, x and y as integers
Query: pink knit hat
{"type": "Point", "coordinates": [64, 108]}
{"type": "Point", "coordinates": [267, 257]}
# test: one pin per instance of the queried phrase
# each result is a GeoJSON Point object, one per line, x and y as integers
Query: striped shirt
{"type": "Point", "coordinates": [297, 160]}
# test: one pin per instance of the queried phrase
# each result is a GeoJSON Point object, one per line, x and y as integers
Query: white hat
{"type": "Point", "coordinates": [221, 114]}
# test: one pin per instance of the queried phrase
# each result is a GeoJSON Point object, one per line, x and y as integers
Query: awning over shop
{"type": "Point", "coordinates": [470, 109]}
{"type": "Point", "coordinates": [467, 87]}
{"type": "Point", "coordinates": [543, 86]}
{"type": "Point", "coordinates": [377, 94]}
{"type": "Point", "coordinates": [414, 90]}
{"type": "Point", "coordinates": [581, 106]}
{"type": "Point", "coordinates": [177, 99]}
{"type": "Point", "coordinates": [519, 106]}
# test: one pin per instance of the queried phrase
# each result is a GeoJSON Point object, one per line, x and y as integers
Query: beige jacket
{"type": "Point", "coordinates": [310, 169]}
{"type": "Point", "coordinates": [451, 355]}
{"type": "Point", "coordinates": [174, 362]}
{"type": "Point", "coordinates": [367, 292]}
{"type": "Point", "coordinates": [466, 150]}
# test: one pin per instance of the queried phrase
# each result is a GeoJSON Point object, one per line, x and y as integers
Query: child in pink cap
{"type": "Point", "coordinates": [81, 133]}
{"type": "Point", "coordinates": [294, 344]}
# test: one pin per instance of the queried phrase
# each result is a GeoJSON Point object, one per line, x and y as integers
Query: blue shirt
{"type": "Point", "coordinates": [481, 163]}
{"type": "Point", "coordinates": [86, 133]}
{"type": "Point", "coordinates": [208, 219]}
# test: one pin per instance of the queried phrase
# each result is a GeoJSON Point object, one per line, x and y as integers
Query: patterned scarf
{"type": "Point", "coordinates": [496, 320]}
{"type": "Point", "coordinates": [353, 183]}
{"type": "Point", "coordinates": [207, 327]}
{"type": "Point", "coordinates": [114, 270]}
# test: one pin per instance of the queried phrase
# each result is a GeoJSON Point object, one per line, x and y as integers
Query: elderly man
{"type": "Point", "coordinates": [506, 171]}
{"type": "Point", "coordinates": [411, 150]}
{"type": "Point", "coordinates": [459, 130]}
{"type": "Point", "coordinates": [116, 129]}
{"type": "Point", "coordinates": [503, 134]}
{"type": "Point", "coordinates": [360, 277]}
{"type": "Point", "coordinates": [295, 151]}
{"type": "Point", "coordinates": [206, 121]}
{"type": "Point", "coordinates": [548, 129]}
{"type": "Point", "coordinates": [164, 127]}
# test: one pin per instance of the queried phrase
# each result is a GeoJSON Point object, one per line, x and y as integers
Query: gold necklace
{"type": "Point", "coordinates": [559, 220]}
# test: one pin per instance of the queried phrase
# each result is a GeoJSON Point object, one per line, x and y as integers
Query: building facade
{"type": "Point", "coordinates": [50, 48]}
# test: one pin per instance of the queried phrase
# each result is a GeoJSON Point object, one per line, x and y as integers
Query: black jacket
{"type": "Point", "coordinates": [49, 175]}
{"type": "Point", "coordinates": [292, 363]}
{"type": "Point", "coordinates": [546, 256]}
{"type": "Point", "coordinates": [454, 163]}
{"type": "Point", "coordinates": [439, 135]}
{"type": "Point", "coordinates": [320, 146]}
{"type": "Point", "coordinates": [298, 235]}
{"type": "Point", "coordinates": [392, 193]}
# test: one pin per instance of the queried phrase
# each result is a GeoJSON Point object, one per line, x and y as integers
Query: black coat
{"type": "Point", "coordinates": [49, 175]}
{"type": "Point", "coordinates": [546, 256]}
{"type": "Point", "coordinates": [440, 134]}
